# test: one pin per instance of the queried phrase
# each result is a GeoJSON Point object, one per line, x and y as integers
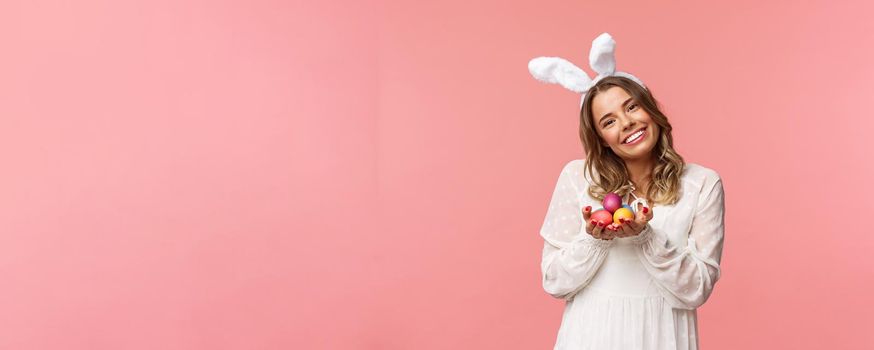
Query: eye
{"type": "Point", "coordinates": [608, 123]}
{"type": "Point", "coordinates": [632, 105]}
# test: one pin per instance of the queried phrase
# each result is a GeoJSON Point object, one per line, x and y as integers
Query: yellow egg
{"type": "Point", "coordinates": [622, 213]}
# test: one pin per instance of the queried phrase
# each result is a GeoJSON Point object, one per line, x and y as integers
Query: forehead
{"type": "Point", "coordinates": [608, 101]}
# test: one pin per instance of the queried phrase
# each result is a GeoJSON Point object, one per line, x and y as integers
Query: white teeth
{"type": "Point", "coordinates": [633, 137]}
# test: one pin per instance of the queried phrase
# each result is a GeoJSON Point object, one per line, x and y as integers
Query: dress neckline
{"type": "Point", "coordinates": [638, 200]}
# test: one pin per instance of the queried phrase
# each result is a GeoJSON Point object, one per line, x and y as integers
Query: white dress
{"type": "Point", "coordinates": [636, 292]}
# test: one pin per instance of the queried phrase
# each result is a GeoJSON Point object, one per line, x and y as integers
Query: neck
{"type": "Point", "coordinates": [640, 172]}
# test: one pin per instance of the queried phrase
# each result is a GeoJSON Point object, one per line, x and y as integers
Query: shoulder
{"type": "Point", "coordinates": [700, 171]}
{"type": "Point", "coordinates": [574, 165]}
{"type": "Point", "coordinates": [702, 177]}
{"type": "Point", "coordinates": [574, 171]}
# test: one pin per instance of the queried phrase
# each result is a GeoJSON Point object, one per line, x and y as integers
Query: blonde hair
{"type": "Point", "coordinates": [612, 175]}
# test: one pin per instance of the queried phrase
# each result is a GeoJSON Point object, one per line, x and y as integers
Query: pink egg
{"type": "Point", "coordinates": [611, 202]}
{"type": "Point", "coordinates": [602, 216]}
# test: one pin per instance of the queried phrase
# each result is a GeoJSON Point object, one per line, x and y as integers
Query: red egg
{"type": "Point", "coordinates": [611, 202]}
{"type": "Point", "coordinates": [602, 216]}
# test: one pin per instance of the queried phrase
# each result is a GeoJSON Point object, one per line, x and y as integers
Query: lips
{"type": "Point", "coordinates": [632, 133]}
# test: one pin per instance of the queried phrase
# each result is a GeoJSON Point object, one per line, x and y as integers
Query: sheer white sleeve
{"type": "Point", "coordinates": [571, 256]}
{"type": "Point", "coordinates": [686, 275]}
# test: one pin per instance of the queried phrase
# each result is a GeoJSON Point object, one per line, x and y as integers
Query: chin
{"type": "Point", "coordinates": [636, 156]}
{"type": "Point", "coordinates": [640, 153]}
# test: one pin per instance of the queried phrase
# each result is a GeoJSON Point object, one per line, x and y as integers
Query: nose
{"type": "Point", "coordinates": [628, 123]}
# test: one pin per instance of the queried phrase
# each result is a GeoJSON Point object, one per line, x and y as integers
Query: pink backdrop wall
{"type": "Point", "coordinates": [373, 175]}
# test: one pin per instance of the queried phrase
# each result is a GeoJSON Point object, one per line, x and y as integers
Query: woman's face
{"type": "Point", "coordinates": [618, 118]}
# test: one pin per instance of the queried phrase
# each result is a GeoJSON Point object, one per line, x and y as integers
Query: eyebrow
{"type": "Point", "coordinates": [611, 113]}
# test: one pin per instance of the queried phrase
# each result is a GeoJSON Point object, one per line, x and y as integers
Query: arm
{"type": "Point", "coordinates": [571, 256]}
{"type": "Point", "coordinates": [686, 275]}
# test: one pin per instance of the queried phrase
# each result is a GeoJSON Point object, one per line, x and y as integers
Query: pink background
{"type": "Point", "coordinates": [373, 174]}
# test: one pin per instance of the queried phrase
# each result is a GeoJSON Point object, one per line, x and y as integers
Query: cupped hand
{"type": "Point", "coordinates": [596, 229]}
{"type": "Point", "coordinates": [631, 227]}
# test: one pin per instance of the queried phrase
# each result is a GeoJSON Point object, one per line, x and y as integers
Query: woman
{"type": "Point", "coordinates": [634, 284]}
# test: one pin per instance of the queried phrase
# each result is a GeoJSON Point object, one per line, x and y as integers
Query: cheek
{"type": "Point", "coordinates": [609, 136]}
{"type": "Point", "coordinates": [644, 117]}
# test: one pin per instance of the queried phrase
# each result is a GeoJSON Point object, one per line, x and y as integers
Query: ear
{"type": "Point", "coordinates": [557, 70]}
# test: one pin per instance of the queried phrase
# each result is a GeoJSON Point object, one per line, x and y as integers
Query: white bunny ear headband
{"type": "Point", "coordinates": [557, 70]}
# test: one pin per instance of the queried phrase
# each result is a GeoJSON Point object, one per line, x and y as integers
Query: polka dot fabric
{"type": "Point", "coordinates": [637, 292]}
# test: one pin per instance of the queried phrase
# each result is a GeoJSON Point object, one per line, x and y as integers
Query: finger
{"type": "Point", "coordinates": [611, 228]}
{"type": "Point", "coordinates": [615, 230]}
{"type": "Point", "coordinates": [624, 227]}
{"type": "Point", "coordinates": [587, 213]}
{"type": "Point", "coordinates": [601, 230]}
{"type": "Point", "coordinates": [632, 225]}
{"type": "Point", "coordinates": [596, 230]}
{"type": "Point", "coordinates": [590, 225]}
{"type": "Point", "coordinates": [643, 216]}
{"type": "Point", "coordinates": [640, 219]}
{"type": "Point", "coordinates": [608, 232]}
{"type": "Point", "coordinates": [640, 216]}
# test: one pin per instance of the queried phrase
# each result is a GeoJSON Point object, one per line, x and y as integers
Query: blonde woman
{"type": "Point", "coordinates": [634, 284]}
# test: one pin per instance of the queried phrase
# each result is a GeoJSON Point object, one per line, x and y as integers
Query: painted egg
{"type": "Point", "coordinates": [622, 213]}
{"type": "Point", "coordinates": [628, 207]}
{"type": "Point", "coordinates": [612, 202]}
{"type": "Point", "coordinates": [602, 216]}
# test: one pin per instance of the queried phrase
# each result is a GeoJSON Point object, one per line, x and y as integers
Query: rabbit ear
{"type": "Point", "coordinates": [557, 70]}
{"type": "Point", "coordinates": [601, 56]}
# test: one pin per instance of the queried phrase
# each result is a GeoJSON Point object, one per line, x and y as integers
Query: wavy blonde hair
{"type": "Point", "coordinates": [613, 176]}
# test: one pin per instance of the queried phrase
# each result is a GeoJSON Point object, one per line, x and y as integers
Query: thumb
{"type": "Point", "coordinates": [647, 212]}
{"type": "Point", "coordinates": [643, 215]}
{"type": "Point", "coordinates": [587, 212]}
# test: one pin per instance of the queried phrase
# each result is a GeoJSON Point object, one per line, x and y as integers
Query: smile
{"type": "Point", "coordinates": [635, 137]}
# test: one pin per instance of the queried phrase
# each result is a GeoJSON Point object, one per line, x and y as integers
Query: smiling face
{"type": "Point", "coordinates": [618, 118]}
